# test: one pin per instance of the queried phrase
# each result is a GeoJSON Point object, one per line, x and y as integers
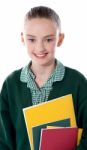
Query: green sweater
{"type": "Point", "coordinates": [15, 96]}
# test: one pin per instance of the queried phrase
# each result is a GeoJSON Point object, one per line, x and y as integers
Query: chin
{"type": "Point", "coordinates": [44, 63]}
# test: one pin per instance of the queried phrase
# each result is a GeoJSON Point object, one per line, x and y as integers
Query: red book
{"type": "Point", "coordinates": [59, 138]}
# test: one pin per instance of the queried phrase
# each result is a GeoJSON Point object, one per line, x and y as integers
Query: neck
{"type": "Point", "coordinates": [42, 72]}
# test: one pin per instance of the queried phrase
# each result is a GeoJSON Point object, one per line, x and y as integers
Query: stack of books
{"type": "Point", "coordinates": [52, 124]}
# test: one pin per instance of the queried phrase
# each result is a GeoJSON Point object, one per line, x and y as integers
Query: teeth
{"type": "Point", "coordinates": [40, 55]}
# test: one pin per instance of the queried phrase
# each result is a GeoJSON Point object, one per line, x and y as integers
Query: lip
{"type": "Point", "coordinates": [40, 55]}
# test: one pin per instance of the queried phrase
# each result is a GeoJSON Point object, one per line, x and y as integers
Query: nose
{"type": "Point", "coordinates": [39, 47]}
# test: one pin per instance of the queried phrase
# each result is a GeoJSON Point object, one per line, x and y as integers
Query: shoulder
{"type": "Point", "coordinates": [15, 75]}
{"type": "Point", "coordinates": [12, 80]}
{"type": "Point", "coordinates": [75, 75]}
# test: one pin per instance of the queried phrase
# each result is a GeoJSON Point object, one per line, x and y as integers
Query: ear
{"type": "Point", "coordinates": [60, 40]}
{"type": "Point", "coordinates": [22, 38]}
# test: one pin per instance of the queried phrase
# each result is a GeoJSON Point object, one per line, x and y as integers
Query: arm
{"type": "Point", "coordinates": [7, 140]}
{"type": "Point", "coordinates": [82, 113]}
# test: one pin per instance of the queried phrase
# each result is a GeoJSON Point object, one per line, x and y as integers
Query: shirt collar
{"type": "Point", "coordinates": [57, 75]}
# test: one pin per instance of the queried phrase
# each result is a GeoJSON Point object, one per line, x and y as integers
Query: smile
{"type": "Point", "coordinates": [40, 55]}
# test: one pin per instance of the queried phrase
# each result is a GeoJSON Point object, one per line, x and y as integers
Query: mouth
{"type": "Point", "coordinates": [41, 55]}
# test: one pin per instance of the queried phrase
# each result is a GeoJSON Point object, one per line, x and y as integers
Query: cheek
{"type": "Point", "coordinates": [29, 46]}
{"type": "Point", "coordinates": [29, 49]}
{"type": "Point", "coordinates": [52, 47]}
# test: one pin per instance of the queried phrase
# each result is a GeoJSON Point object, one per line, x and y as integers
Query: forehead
{"type": "Point", "coordinates": [40, 26]}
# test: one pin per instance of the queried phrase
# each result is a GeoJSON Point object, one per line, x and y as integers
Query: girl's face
{"type": "Point", "coordinates": [41, 37]}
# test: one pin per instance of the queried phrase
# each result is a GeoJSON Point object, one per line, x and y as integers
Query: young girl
{"type": "Point", "coordinates": [43, 79]}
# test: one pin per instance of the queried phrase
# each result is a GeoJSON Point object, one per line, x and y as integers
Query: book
{"type": "Point", "coordinates": [54, 110]}
{"type": "Point", "coordinates": [59, 138]}
{"type": "Point", "coordinates": [80, 130]}
{"type": "Point", "coordinates": [37, 130]}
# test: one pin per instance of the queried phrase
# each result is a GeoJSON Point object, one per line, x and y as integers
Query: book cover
{"type": "Point", "coordinates": [80, 130]}
{"type": "Point", "coordinates": [50, 111]}
{"type": "Point", "coordinates": [59, 139]}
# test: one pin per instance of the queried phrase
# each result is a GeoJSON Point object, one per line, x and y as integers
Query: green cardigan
{"type": "Point", "coordinates": [15, 96]}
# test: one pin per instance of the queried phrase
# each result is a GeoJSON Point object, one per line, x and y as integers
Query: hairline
{"type": "Point", "coordinates": [38, 17]}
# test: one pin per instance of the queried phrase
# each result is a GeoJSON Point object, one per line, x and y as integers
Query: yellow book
{"type": "Point", "coordinates": [80, 130]}
{"type": "Point", "coordinates": [50, 111]}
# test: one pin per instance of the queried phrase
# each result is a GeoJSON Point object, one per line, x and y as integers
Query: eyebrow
{"type": "Point", "coordinates": [44, 36]}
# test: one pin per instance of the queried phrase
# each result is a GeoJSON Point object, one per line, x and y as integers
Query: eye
{"type": "Point", "coordinates": [49, 40]}
{"type": "Point", "coordinates": [31, 40]}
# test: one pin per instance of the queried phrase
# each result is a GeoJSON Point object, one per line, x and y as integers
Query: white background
{"type": "Point", "coordinates": [72, 53]}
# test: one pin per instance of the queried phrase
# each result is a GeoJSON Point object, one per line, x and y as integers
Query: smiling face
{"type": "Point", "coordinates": [41, 37]}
